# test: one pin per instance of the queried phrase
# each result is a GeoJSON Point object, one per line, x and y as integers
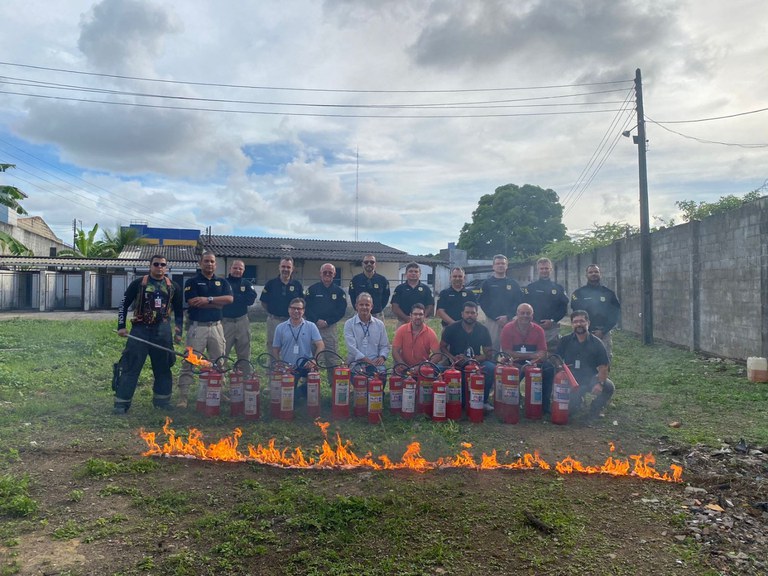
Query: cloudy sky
{"type": "Point", "coordinates": [269, 118]}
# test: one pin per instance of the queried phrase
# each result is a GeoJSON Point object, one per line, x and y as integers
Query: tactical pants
{"type": "Point", "coordinates": [237, 334]}
{"type": "Point", "coordinates": [205, 338]}
{"type": "Point", "coordinates": [133, 361]}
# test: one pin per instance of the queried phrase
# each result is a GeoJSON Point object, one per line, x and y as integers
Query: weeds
{"type": "Point", "coordinates": [14, 496]}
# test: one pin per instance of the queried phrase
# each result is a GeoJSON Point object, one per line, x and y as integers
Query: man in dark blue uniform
{"type": "Point", "coordinates": [153, 298]}
{"type": "Point", "coordinates": [205, 294]}
{"type": "Point", "coordinates": [601, 304]}
{"type": "Point", "coordinates": [371, 282]}
{"type": "Point", "coordinates": [411, 291]}
{"type": "Point", "coordinates": [277, 295]}
{"type": "Point", "coordinates": [326, 305]}
{"type": "Point", "coordinates": [450, 303]}
{"type": "Point", "coordinates": [237, 327]}
{"type": "Point", "coordinates": [549, 301]}
{"type": "Point", "coordinates": [499, 299]}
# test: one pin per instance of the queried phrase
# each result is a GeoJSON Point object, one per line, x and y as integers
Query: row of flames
{"type": "Point", "coordinates": [341, 456]}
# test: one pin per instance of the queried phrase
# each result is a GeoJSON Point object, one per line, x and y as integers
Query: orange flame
{"type": "Point", "coordinates": [340, 455]}
{"type": "Point", "coordinates": [196, 360]}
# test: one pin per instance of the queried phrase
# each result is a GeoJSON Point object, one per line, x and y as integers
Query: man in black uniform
{"type": "Point", "coordinates": [411, 291]}
{"type": "Point", "coordinates": [153, 297]}
{"type": "Point", "coordinates": [549, 301]}
{"type": "Point", "coordinates": [371, 282]}
{"type": "Point", "coordinates": [276, 297]}
{"type": "Point", "coordinates": [237, 327]}
{"type": "Point", "coordinates": [601, 304]}
{"type": "Point", "coordinates": [588, 360]}
{"type": "Point", "coordinates": [450, 303]}
{"type": "Point", "coordinates": [499, 299]}
{"type": "Point", "coordinates": [326, 304]}
{"type": "Point", "coordinates": [205, 294]}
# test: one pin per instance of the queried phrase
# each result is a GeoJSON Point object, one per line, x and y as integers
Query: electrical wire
{"type": "Point", "coordinates": [702, 140]}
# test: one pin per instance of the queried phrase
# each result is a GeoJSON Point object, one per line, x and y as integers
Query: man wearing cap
{"type": "Point", "coordinates": [205, 294]}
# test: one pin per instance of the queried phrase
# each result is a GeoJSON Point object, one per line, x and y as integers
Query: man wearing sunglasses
{"type": "Point", "coordinates": [153, 297]}
{"type": "Point", "coordinates": [372, 283]}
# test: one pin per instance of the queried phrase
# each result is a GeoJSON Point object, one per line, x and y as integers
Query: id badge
{"type": "Point", "coordinates": [577, 364]}
{"type": "Point", "coordinates": [365, 342]}
{"type": "Point", "coordinates": [295, 348]}
{"type": "Point", "coordinates": [158, 302]}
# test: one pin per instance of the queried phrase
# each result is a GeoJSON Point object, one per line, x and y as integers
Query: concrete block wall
{"type": "Point", "coordinates": [671, 271]}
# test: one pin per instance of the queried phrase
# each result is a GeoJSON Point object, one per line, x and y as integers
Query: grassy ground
{"type": "Point", "coordinates": [76, 497]}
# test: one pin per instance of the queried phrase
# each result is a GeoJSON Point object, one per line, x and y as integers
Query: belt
{"type": "Point", "coordinates": [225, 319]}
{"type": "Point", "coordinates": [196, 323]}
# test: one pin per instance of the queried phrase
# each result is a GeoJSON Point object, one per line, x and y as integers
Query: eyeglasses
{"type": "Point", "coordinates": [369, 262]}
{"type": "Point", "coordinates": [297, 308]}
{"type": "Point", "coordinates": [159, 264]}
{"type": "Point", "coordinates": [327, 273]}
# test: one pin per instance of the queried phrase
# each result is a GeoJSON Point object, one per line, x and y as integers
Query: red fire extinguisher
{"type": "Point", "coordinates": [510, 394]}
{"type": "Point", "coordinates": [439, 398]}
{"type": "Point", "coordinates": [476, 393]}
{"type": "Point", "coordinates": [236, 391]}
{"type": "Point", "coordinates": [275, 386]}
{"type": "Point", "coordinates": [313, 394]}
{"type": "Point", "coordinates": [498, 391]}
{"type": "Point", "coordinates": [375, 399]}
{"type": "Point", "coordinates": [408, 409]}
{"type": "Point", "coordinates": [202, 391]}
{"type": "Point", "coordinates": [395, 392]}
{"type": "Point", "coordinates": [213, 393]}
{"type": "Point", "coordinates": [251, 397]}
{"type": "Point", "coordinates": [340, 393]}
{"type": "Point", "coordinates": [287, 395]}
{"type": "Point", "coordinates": [452, 378]}
{"type": "Point", "coordinates": [533, 393]}
{"type": "Point", "coordinates": [469, 368]}
{"type": "Point", "coordinates": [360, 387]}
{"type": "Point", "coordinates": [426, 378]}
{"type": "Point", "coordinates": [561, 392]}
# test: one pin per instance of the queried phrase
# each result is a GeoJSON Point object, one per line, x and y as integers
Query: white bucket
{"type": "Point", "coordinates": [757, 369]}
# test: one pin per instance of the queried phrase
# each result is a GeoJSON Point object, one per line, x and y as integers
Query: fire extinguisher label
{"type": "Point", "coordinates": [476, 399]}
{"type": "Point", "coordinates": [286, 399]}
{"type": "Point", "coordinates": [562, 394]}
{"type": "Point", "coordinates": [251, 403]}
{"type": "Point", "coordinates": [536, 395]}
{"type": "Point", "coordinates": [395, 398]}
{"type": "Point", "coordinates": [313, 394]}
{"type": "Point", "coordinates": [342, 394]}
{"type": "Point", "coordinates": [438, 406]}
{"type": "Point", "coordinates": [236, 393]}
{"type": "Point", "coordinates": [375, 402]}
{"type": "Point", "coordinates": [409, 400]}
{"type": "Point", "coordinates": [511, 395]}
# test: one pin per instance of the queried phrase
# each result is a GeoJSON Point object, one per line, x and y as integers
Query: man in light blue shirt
{"type": "Point", "coordinates": [296, 338]}
{"type": "Point", "coordinates": [366, 336]}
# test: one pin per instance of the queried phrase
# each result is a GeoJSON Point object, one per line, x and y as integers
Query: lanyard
{"type": "Point", "coordinates": [296, 334]}
{"type": "Point", "coordinates": [366, 329]}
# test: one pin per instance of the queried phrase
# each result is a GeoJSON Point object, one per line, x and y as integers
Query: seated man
{"type": "Point", "coordinates": [414, 342]}
{"type": "Point", "coordinates": [526, 342]}
{"type": "Point", "coordinates": [585, 355]}
{"type": "Point", "coordinates": [467, 340]}
{"type": "Point", "coordinates": [297, 340]}
{"type": "Point", "coordinates": [366, 337]}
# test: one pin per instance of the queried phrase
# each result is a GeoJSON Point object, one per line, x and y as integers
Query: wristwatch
{"type": "Point", "coordinates": [210, 299]}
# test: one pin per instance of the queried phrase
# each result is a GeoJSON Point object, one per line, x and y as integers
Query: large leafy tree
{"type": "Point", "coordinates": [86, 246]}
{"type": "Point", "coordinates": [515, 221]}
{"type": "Point", "coordinates": [12, 246]}
{"type": "Point", "coordinates": [597, 236]}
{"type": "Point", "coordinates": [123, 236]}
{"type": "Point", "coordinates": [10, 195]}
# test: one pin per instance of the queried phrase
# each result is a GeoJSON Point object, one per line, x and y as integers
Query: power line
{"type": "Point", "coordinates": [292, 89]}
{"type": "Point", "coordinates": [702, 140]}
{"type": "Point", "coordinates": [711, 118]}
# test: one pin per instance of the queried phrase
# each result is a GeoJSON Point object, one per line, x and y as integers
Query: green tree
{"type": "Point", "coordinates": [597, 236]}
{"type": "Point", "coordinates": [515, 221]}
{"type": "Point", "coordinates": [122, 236]}
{"type": "Point", "coordinates": [693, 210]}
{"type": "Point", "coordinates": [12, 246]}
{"type": "Point", "coordinates": [10, 195]}
{"type": "Point", "coordinates": [86, 246]}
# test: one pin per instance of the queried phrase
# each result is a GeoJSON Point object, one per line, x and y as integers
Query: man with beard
{"type": "Point", "coordinates": [409, 292]}
{"type": "Point", "coordinates": [585, 355]}
{"type": "Point", "coordinates": [276, 297]}
{"type": "Point", "coordinates": [526, 342]}
{"type": "Point", "coordinates": [601, 304]}
{"type": "Point", "coordinates": [468, 340]}
{"type": "Point", "coordinates": [237, 327]}
{"type": "Point", "coordinates": [549, 301]}
{"type": "Point", "coordinates": [372, 283]}
{"type": "Point", "coordinates": [414, 342]}
{"type": "Point", "coordinates": [450, 302]}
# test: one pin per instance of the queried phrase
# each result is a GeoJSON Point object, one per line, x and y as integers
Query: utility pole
{"type": "Point", "coordinates": [645, 230]}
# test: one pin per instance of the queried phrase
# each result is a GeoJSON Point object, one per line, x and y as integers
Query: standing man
{"type": "Point", "coordinates": [237, 327]}
{"type": "Point", "coordinates": [411, 291]}
{"type": "Point", "coordinates": [526, 342]}
{"type": "Point", "coordinates": [499, 298]}
{"type": "Point", "coordinates": [277, 295]}
{"type": "Point", "coordinates": [326, 305]}
{"type": "Point", "coordinates": [588, 360]}
{"type": "Point", "coordinates": [450, 302]}
{"type": "Point", "coordinates": [297, 339]}
{"type": "Point", "coordinates": [549, 301]}
{"type": "Point", "coordinates": [468, 340]}
{"type": "Point", "coordinates": [366, 337]}
{"type": "Point", "coordinates": [153, 297]}
{"type": "Point", "coordinates": [371, 282]}
{"type": "Point", "coordinates": [601, 304]}
{"type": "Point", "coordinates": [414, 342]}
{"type": "Point", "coordinates": [206, 294]}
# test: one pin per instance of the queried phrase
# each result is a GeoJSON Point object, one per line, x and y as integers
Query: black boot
{"type": "Point", "coordinates": [121, 408]}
